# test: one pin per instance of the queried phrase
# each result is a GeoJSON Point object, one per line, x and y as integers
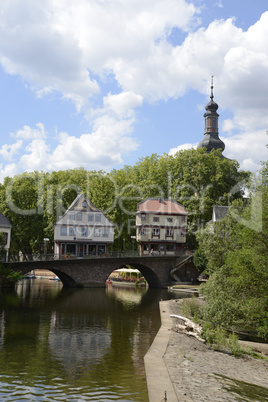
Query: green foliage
{"type": "Point", "coordinates": [8, 275]}
{"type": "Point", "coordinates": [219, 340]}
{"type": "Point", "coordinates": [34, 201]}
{"type": "Point", "coordinates": [237, 252]}
{"type": "Point", "coordinates": [200, 260]}
{"type": "Point", "coordinates": [191, 308]}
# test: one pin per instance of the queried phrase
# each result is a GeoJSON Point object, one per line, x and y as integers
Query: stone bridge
{"type": "Point", "coordinates": [159, 271]}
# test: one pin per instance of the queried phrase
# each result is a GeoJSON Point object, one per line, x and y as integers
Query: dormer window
{"type": "Point", "coordinates": [84, 204]}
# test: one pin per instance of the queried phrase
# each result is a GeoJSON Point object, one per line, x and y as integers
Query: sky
{"type": "Point", "coordinates": [100, 84]}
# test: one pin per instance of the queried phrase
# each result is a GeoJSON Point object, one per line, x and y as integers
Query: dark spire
{"type": "Point", "coordinates": [211, 138]}
{"type": "Point", "coordinates": [211, 87]}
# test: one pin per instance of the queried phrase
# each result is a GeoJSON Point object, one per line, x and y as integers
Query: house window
{"type": "Point", "coordinates": [5, 238]}
{"type": "Point", "coordinates": [141, 231]}
{"type": "Point", "coordinates": [63, 248]}
{"type": "Point", "coordinates": [84, 232]}
{"type": "Point", "coordinates": [105, 232]}
{"type": "Point", "coordinates": [79, 216]}
{"type": "Point", "coordinates": [170, 247]}
{"type": "Point", "coordinates": [97, 232]}
{"type": "Point", "coordinates": [155, 231]}
{"type": "Point", "coordinates": [183, 219]}
{"type": "Point", "coordinates": [101, 249]}
{"type": "Point", "coordinates": [169, 219]}
{"type": "Point", "coordinates": [90, 217]}
{"type": "Point", "coordinates": [145, 247]}
{"type": "Point", "coordinates": [143, 217]}
{"type": "Point", "coordinates": [156, 219]}
{"type": "Point", "coordinates": [72, 216]}
{"type": "Point", "coordinates": [71, 231]}
{"type": "Point", "coordinates": [84, 204]}
{"type": "Point", "coordinates": [169, 232]}
{"type": "Point", "coordinates": [97, 217]}
{"type": "Point", "coordinates": [63, 231]}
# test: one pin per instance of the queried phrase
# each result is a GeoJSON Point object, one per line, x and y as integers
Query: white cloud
{"type": "Point", "coordinates": [56, 44]}
{"type": "Point", "coordinates": [28, 133]}
{"type": "Point", "coordinates": [9, 151]}
{"type": "Point", "coordinates": [182, 147]}
{"type": "Point", "coordinates": [36, 156]}
{"type": "Point", "coordinates": [8, 170]}
{"type": "Point", "coordinates": [248, 148]}
{"type": "Point", "coordinates": [72, 47]}
{"type": "Point", "coordinates": [219, 4]}
{"type": "Point", "coordinates": [59, 45]}
{"type": "Point", "coordinates": [104, 147]}
{"type": "Point", "coordinates": [122, 104]}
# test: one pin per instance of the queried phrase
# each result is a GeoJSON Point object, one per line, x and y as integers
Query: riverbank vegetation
{"type": "Point", "coordinates": [8, 277]}
{"type": "Point", "coordinates": [236, 253]}
{"type": "Point", "coordinates": [216, 336]}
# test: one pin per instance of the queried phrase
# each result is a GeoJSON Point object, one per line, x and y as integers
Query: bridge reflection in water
{"type": "Point", "coordinates": [76, 344]}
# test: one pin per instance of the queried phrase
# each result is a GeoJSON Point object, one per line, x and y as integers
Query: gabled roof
{"type": "Point", "coordinates": [82, 203]}
{"type": "Point", "coordinates": [219, 212]}
{"type": "Point", "coordinates": [4, 222]}
{"type": "Point", "coordinates": [161, 206]}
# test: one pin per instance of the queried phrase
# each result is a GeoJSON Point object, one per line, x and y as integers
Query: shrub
{"type": "Point", "coordinates": [191, 308]}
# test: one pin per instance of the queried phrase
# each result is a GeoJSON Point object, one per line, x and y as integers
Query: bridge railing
{"type": "Point", "coordinates": [110, 254]}
{"type": "Point", "coordinates": [51, 257]}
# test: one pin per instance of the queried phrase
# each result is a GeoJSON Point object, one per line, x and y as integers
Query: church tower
{"type": "Point", "coordinates": [211, 138]}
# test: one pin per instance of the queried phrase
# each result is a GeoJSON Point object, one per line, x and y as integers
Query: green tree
{"type": "Point", "coordinates": [236, 249]}
{"type": "Point", "coordinates": [20, 203]}
{"type": "Point", "coordinates": [193, 178]}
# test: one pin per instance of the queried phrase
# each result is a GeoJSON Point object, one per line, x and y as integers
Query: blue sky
{"type": "Point", "coordinates": [99, 84]}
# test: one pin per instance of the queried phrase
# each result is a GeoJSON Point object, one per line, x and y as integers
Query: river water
{"type": "Point", "coordinates": [60, 344]}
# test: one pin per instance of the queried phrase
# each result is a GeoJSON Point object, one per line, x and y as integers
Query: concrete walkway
{"type": "Point", "coordinates": [160, 387]}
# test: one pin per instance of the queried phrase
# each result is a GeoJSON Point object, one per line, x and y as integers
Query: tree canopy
{"type": "Point", "coordinates": [236, 253]}
{"type": "Point", "coordinates": [34, 201]}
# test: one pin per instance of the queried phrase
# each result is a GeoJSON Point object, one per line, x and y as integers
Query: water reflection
{"type": "Point", "coordinates": [75, 344]}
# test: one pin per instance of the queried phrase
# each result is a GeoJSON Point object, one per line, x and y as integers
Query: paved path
{"type": "Point", "coordinates": [198, 373]}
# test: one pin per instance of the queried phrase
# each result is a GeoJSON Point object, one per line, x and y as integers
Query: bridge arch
{"type": "Point", "coordinates": [150, 276]}
{"type": "Point", "coordinates": [66, 279]}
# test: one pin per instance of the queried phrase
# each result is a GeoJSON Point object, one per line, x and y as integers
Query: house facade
{"type": "Point", "coordinates": [5, 230]}
{"type": "Point", "coordinates": [83, 230]}
{"type": "Point", "coordinates": [161, 227]}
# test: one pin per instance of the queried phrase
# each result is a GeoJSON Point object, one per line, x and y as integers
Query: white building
{"type": "Point", "coordinates": [5, 230]}
{"type": "Point", "coordinates": [83, 230]}
{"type": "Point", "coordinates": [161, 227]}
